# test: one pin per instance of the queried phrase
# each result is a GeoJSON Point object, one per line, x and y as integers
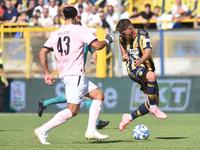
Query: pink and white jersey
{"type": "Point", "coordinates": [68, 43]}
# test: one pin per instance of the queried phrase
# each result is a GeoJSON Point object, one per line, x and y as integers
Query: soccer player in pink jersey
{"type": "Point", "coordinates": [68, 43]}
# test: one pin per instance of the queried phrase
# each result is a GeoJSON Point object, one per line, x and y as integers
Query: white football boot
{"type": "Point", "coordinates": [95, 136]}
{"type": "Point", "coordinates": [42, 137]}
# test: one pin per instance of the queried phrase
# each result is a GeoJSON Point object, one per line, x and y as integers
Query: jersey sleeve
{"type": "Point", "coordinates": [91, 50]}
{"type": "Point", "coordinates": [48, 44]}
{"type": "Point", "coordinates": [146, 42]}
{"type": "Point", "coordinates": [87, 37]}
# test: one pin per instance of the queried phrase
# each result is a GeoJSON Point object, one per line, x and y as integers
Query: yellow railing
{"type": "Point", "coordinates": [27, 30]}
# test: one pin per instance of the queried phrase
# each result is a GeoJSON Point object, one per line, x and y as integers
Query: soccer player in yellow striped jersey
{"type": "Point", "coordinates": [136, 51]}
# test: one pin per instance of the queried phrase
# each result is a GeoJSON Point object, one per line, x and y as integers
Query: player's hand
{"type": "Point", "coordinates": [49, 79]}
{"type": "Point", "coordinates": [109, 38]}
{"type": "Point", "coordinates": [6, 84]}
{"type": "Point", "coordinates": [136, 63]}
{"type": "Point", "coordinates": [93, 61]}
{"type": "Point", "coordinates": [125, 58]}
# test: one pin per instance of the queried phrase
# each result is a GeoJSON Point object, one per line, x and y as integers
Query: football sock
{"type": "Point", "coordinates": [151, 91]}
{"type": "Point", "coordinates": [55, 100]}
{"type": "Point", "coordinates": [88, 103]}
{"type": "Point", "coordinates": [142, 110]}
{"type": "Point", "coordinates": [58, 119]}
{"type": "Point", "coordinates": [94, 114]}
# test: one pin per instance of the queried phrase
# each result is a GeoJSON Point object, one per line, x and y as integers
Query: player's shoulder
{"type": "Point", "coordinates": [142, 32]}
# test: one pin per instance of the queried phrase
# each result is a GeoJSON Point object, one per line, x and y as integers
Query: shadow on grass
{"type": "Point", "coordinates": [102, 142]}
{"type": "Point", "coordinates": [10, 130]}
{"type": "Point", "coordinates": [171, 138]}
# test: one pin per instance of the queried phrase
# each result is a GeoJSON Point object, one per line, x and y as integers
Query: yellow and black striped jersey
{"type": "Point", "coordinates": [137, 46]}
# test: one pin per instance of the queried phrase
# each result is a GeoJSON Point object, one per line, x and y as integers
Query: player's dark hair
{"type": "Point", "coordinates": [69, 12]}
{"type": "Point", "coordinates": [148, 5]}
{"type": "Point", "coordinates": [134, 9]}
{"type": "Point", "coordinates": [123, 24]}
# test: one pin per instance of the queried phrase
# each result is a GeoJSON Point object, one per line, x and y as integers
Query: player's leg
{"type": "Point", "coordinates": [135, 74]}
{"type": "Point", "coordinates": [58, 119]}
{"type": "Point", "coordinates": [97, 95]}
{"type": "Point", "coordinates": [74, 89]}
{"type": "Point", "coordinates": [151, 91]}
{"type": "Point", "coordinates": [100, 124]}
{"type": "Point", "coordinates": [44, 103]}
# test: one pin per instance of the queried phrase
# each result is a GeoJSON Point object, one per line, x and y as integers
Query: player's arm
{"type": "Point", "coordinates": [98, 45]}
{"type": "Point", "coordinates": [124, 54]}
{"type": "Point", "coordinates": [49, 79]}
{"type": "Point", "coordinates": [3, 76]}
{"type": "Point", "coordinates": [94, 58]}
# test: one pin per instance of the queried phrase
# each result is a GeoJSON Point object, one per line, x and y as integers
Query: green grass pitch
{"type": "Point", "coordinates": [178, 131]}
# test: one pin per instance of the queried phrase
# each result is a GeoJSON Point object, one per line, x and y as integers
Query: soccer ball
{"type": "Point", "coordinates": [141, 132]}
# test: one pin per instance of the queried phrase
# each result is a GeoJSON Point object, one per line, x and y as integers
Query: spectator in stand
{"type": "Point", "coordinates": [22, 18]}
{"type": "Point", "coordinates": [56, 22]}
{"type": "Point", "coordinates": [10, 12]}
{"type": "Point", "coordinates": [38, 13]}
{"type": "Point", "coordinates": [3, 18]}
{"type": "Point", "coordinates": [81, 2]}
{"type": "Point", "coordinates": [179, 12]}
{"type": "Point", "coordinates": [196, 24]}
{"type": "Point", "coordinates": [34, 23]}
{"type": "Point", "coordinates": [15, 3]}
{"type": "Point", "coordinates": [29, 10]}
{"type": "Point", "coordinates": [80, 9]}
{"type": "Point", "coordinates": [39, 7]}
{"type": "Point", "coordinates": [146, 14]}
{"type": "Point", "coordinates": [155, 13]}
{"type": "Point", "coordinates": [111, 17]}
{"type": "Point", "coordinates": [154, 17]}
{"type": "Point", "coordinates": [53, 9]}
{"type": "Point", "coordinates": [103, 23]}
{"type": "Point", "coordinates": [22, 6]}
{"type": "Point", "coordinates": [93, 19]}
{"type": "Point", "coordinates": [2, 4]}
{"type": "Point", "coordinates": [135, 16]}
{"type": "Point", "coordinates": [84, 15]}
{"type": "Point", "coordinates": [124, 13]}
{"type": "Point", "coordinates": [45, 21]}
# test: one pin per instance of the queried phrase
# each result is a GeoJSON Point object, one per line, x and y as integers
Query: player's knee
{"type": "Point", "coordinates": [100, 96]}
{"type": "Point", "coordinates": [150, 76]}
{"type": "Point", "coordinates": [75, 112]}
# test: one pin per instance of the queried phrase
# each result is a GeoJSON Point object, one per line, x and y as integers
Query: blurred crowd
{"type": "Point", "coordinates": [48, 13]}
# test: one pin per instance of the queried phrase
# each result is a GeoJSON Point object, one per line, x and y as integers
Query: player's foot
{"type": "Point", "coordinates": [102, 124]}
{"type": "Point", "coordinates": [41, 107]}
{"type": "Point", "coordinates": [125, 121]}
{"type": "Point", "coordinates": [95, 136]}
{"type": "Point", "coordinates": [42, 137]}
{"type": "Point", "coordinates": [158, 113]}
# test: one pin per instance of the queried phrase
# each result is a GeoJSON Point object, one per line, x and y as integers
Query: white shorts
{"type": "Point", "coordinates": [76, 87]}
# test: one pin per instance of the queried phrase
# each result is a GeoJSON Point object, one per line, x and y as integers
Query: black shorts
{"type": "Point", "coordinates": [137, 74]}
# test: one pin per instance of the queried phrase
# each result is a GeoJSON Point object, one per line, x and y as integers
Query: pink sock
{"type": "Point", "coordinates": [94, 112]}
{"type": "Point", "coordinates": [58, 119]}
